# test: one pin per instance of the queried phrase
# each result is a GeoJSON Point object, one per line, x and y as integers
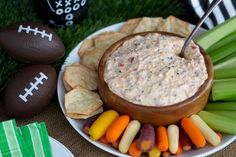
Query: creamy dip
{"type": "Point", "coordinates": [147, 70]}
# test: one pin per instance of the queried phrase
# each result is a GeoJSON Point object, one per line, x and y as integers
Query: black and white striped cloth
{"type": "Point", "coordinates": [225, 10]}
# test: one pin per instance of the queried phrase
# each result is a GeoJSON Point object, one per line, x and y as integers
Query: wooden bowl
{"type": "Point", "coordinates": [162, 115]}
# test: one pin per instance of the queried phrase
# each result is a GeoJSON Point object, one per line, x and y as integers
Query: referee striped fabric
{"type": "Point", "coordinates": [11, 142]}
{"type": "Point", "coordinates": [27, 141]}
{"type": "Point", "coordinates": [36, 138]}
{"type": "Point", "coordinates": [225, 10]}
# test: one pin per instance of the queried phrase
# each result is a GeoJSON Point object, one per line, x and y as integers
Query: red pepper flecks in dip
{"type": "Point", "coordinates": [147, 70]}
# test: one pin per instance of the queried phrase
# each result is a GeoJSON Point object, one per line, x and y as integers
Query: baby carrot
{"type": "Point", "coordinates": [165, 154]}
{"type": "Point", "coordinates": [116, 128]}
{"type": "Point", "coordinates": [154, 152]}
{"type": "Point", "coordinates": [193, 132]}
{"type": "Point", "coordinates": [88, 124]}
{"type": "Point", "coordinates": [162, 139]}
{"type": "Point", "coordinates": [103, 140]}
{"type": "Point", "coordinates": [146, 139]}
{"type": "Point", "coordinates": [115, 144]}
{"type": "Point", "coordinates": [86, 127]}
{"type": "Point", "coordinates": [220, 135]}
{"type": "Point", "coordinates": [209, 134]}
{"type": "Point", "coordinates": [173, 138]}
{"type": "Point", "coordinates": [184, 140]}
{"type": "Point", "coordinates": [134, 151]}
{"type": "Point", "coordinates": [101, 124]}
{"type": "Point", "coordinates": [179, 150]}
{"type": "Point", "coordinates": [129, 135]}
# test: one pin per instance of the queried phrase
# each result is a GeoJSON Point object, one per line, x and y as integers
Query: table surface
{"type": "Point", "coordinates": [60, 129]}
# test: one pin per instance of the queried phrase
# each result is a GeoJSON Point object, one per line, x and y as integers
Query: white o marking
{"type": "Point", "coordinates": [68, 10]}
{"type": "Point", "coordinates": [76, 6]}
{"type": "Point", "coordinates": [69, 23]}
{"type": "Point", "coordinates": [83, 2]}
{"type": "Point", "coordinates": [69, 16]}
{"type": "Point", "coordinates": [59, 11]}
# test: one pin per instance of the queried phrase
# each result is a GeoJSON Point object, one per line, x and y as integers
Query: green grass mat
{"type": "Point", "coordinates": [101, 13]}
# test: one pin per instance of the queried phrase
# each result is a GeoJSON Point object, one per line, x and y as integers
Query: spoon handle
{"type": "Point", "coordinates": [203, 18]}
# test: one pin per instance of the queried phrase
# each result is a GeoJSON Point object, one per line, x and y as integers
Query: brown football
{"type": "Point", "coordinates": [32, 43]}
{"type": "Point", "coordinates": [29, 91]}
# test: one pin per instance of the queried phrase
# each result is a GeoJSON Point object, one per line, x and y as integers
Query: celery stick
{"type": "Point", "coordinates": [217, 33]}
{"type": "Point", "coordinates": [223, 52]}
{"type": "Point", "coordinates": [226, 69]}
{"type": "Point", "coordinates": [226, 58]}
{"type": "Point", "coordinates": [231, 106]}
{"type": "Point", "coordinates": [231, 99]}
{"type": "Point", "coordinates": [229, 114]}
{"type": "Point", "coordinates": [224, 89]}
{"type": "Point", "coordinates": [226, 40]}
{"type": "Point", "coordinates": [219, 123]}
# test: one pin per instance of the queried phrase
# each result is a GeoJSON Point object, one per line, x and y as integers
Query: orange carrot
{"type": "Point", "coordinates": [193, 132]}
{"type": "Point", "coordinates": [134, 151]}
{"type": "Point", "coordinates": [103, 140]}
{"type": "Point", "coordinates": [116, 128]}
{"type": "Point", "coordinates": [162, 139]}
{"type": "Point", "coordinates": [180, 150]}
{"type": "Point", "coordinates": [184, 140]}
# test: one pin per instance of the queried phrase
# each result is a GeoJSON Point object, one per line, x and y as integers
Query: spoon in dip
{"type": "Point", "coordinates": [203, 18]}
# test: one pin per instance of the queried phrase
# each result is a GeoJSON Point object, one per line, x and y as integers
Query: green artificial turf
{"type": "Point", "coordinates": [101, 13]}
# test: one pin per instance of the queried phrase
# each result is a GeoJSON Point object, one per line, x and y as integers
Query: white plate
{"type": "Point", "coordinates": [59, 149]}
{"type": "Point", "coordinates": [78, 124]}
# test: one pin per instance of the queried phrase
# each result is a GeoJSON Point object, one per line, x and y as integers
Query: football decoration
{"type": "Point", "coordinates": [61, 13]}
{"type": "Point", "coordinates": [31, 43]}
{"type": "Point", "coordinates": [29, 91]}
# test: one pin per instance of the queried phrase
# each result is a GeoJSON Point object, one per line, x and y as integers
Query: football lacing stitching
{"type": "Point", "coordinates": [39, 80]}
{"type": "Point", "coordinates": [35, 31]}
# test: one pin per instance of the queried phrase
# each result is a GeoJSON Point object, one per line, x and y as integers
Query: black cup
{"type": "Point", "coordinates": [61, 13]}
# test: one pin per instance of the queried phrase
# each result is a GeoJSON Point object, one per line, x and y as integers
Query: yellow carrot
{"type": "Point", "coordinates": [155, 152]}
{"type": "Point", "coordinates": [101, 124]}
{"type": "Point", "coordinates": [116, 128]}
{"type": "Point", "coordinates": [193, 132]}
{"type": "Point", "coordinates": [162, 139]}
